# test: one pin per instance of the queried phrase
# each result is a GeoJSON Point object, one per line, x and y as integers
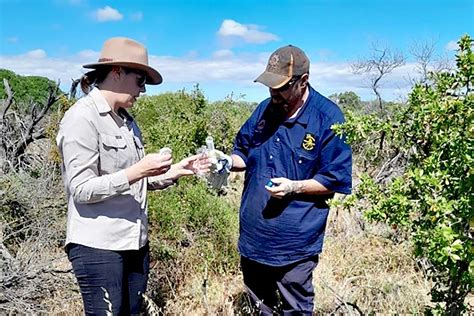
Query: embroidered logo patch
{"type": "Point", "coordinates": [261, 125]}
{"type": "Point", "coordinates": [273, 62]}
{"type": "Point", "coordinates": [309, 142]}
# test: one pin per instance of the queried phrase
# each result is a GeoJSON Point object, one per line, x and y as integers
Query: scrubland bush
{"type": "Point", "coordinates": [192, 228]}
{"type": "Point", "coordinates": [419, 181]}
{"type": "Point", "coordinates": [424, 180]}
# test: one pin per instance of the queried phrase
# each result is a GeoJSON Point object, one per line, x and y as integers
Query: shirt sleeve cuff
{"type": "Point", "coordinates": [119, 181]}
{"type": "Point", "coordinates": [159, 182]}
{"type": "Point", "coordinates": [331, 186]}
{"type": "Point", "coordinates": [240, 154]}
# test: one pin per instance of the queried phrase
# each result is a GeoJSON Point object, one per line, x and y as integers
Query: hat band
{"type": "Point", "coordinates": [105, 59]}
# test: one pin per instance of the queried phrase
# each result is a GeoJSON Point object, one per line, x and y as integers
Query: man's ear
{"type": "Point", "coordinates": [304, 80]}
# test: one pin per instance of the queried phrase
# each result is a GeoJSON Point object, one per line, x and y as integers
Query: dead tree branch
{"type": "Point", "coordinates": [382, 62]}
{"type": "Point", "coordinates": [18, 131]}
{"type": "Point", "coordinates": [9, 100]}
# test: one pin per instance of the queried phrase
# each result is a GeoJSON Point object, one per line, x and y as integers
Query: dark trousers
{"type": "Point", "coordinates": [286, 290]}
{"type": "Point", "coordinates": [111, 282]}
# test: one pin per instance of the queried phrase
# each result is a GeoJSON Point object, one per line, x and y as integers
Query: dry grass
{"type": "Point", "coordinates": [364, 267]}
{"type": "Point", "coordinates": [360, 271]}
{"type": "Point", "coordinates": [367, 270]}
{"type": "Point", "coordinates": [218, 296]}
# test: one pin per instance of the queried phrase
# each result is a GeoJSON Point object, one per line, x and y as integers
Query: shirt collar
{"type": "Point", "coordinates": [303, 116]}
{"type": "Point", "coordinates": [124, 114]}
{"type": "Point", "coordinates": [99, 101]}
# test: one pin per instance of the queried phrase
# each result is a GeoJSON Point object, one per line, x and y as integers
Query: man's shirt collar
{"type": "Point", "coordinates": [304, 114]}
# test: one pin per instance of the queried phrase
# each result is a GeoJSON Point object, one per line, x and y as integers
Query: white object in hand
{"type": "Point", "coordinates": [165, 150]}
{"type": "Point", "coordinates": [210, 143]}
{"type": "Point", "coordinates": [211, 152]}
{"type": "Point", "coordinates": [220, 169]}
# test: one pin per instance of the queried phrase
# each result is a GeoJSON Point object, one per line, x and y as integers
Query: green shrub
{"type": "Point", "coordinates": [190, 218]}
{"type": "Point", "coordinates": [425, 183]}
{"type": "Point", "coordinates": [26, 89]}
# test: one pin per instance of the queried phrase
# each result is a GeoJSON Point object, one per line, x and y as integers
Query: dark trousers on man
{"type": "Point", "coordinates": [111, 282]}
{"type": "Point", "coordinates": [286, 290]}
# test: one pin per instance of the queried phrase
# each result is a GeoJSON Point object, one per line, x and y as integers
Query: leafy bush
{"type": "Point", "coordinates": [191, 227]}
{"type": "Point", "coordinates": [425, 176]}
{"type": "Point", "coordinates": [27, 89]}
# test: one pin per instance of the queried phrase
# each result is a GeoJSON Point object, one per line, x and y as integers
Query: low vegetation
{"type": "Point", "coordinates": [401, 244]}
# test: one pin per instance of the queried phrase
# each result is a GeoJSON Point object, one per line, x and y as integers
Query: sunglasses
{"type": "Point", "coordinates": [288, 85]}
{"type": "Point", "coordinates": [141, 80]}
{"type": "Point", "coordinates": [141, 77]}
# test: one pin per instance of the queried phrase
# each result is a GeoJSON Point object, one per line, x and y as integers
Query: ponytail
{"type": "Point", "coordinates": [92, 78]}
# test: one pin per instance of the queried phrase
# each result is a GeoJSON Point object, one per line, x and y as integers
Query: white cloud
{"type": "Point", "coordinates": [107, 14]}
{"type": "Point", "coordinates": [452, 45]}
{"type": "Point", "coordinates": [137, 16]}
{"type": "Point", "coordinates": [36, 54]}
{"type": "Point", "coordinates": [325, 54]}
{"type": "Point", "coordinates": [248, 32]}
{"type": "Point", "coordinates": [192, 54]}
{"type": "Point", "coordinates": [223, 53]}
{"type": "Point", "coordinates": [88, 54]}
{"type": "Point", "coordinates": [219, 75]}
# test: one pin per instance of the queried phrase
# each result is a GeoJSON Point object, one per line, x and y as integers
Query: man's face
{"type": "Point", "coordinates": [290, 94]}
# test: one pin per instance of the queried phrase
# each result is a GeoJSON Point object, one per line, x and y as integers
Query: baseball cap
{"type": "Point", "coordinates": [285, 63]}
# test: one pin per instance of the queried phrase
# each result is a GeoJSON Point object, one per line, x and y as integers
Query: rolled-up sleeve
{"type": "Point", "coordinates": [335, 171]}
{"type": "Point", "coordinates": [242, 141]}
{"type": "Point", "coordinates": [244, 136]}
{"type": "Point", "coordinates": [78, 143]}
{"type": "Point", "coordinates": [159, 182]}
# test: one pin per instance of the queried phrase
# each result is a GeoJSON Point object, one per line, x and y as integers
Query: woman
{"type": "Point", "coordinates": [106, 175]}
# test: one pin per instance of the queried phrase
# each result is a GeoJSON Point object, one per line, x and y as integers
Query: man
{"type": "Point", "coordinates": [294, 163]}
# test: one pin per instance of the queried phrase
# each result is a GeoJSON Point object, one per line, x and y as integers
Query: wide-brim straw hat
{"type": "Point", "coordinates": [121, 51]}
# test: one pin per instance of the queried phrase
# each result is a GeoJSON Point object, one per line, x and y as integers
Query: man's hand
{"type": "Point", "coordinates": [284, 187]}
{"type": "Point", "coordinates": [220, 162]}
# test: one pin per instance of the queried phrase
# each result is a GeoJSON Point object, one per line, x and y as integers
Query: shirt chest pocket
{"type": "Point", "coordinates": [113, 153]}
{"type": "Point", "coordinates": [304, 163]}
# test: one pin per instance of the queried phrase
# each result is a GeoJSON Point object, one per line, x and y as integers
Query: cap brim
{"type": "Point", "coordinates": [272, 80]}
{"type": "Point", "coordinates": [152, 75]}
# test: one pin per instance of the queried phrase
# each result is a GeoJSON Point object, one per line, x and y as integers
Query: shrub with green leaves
{"type": "Point", "coordinates": [26, 89]}
{"type": "Point", "coordinates": [191, 218]}
{"type": "Point", "coordinates": [424, 183]}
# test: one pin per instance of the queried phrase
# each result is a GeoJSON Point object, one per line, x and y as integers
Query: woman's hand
{"type": "Point", "coordinates": [196, 164]}
{"type": "Point", "coordinates": [150, 165]}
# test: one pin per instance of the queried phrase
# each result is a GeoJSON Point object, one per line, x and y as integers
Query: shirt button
{"type": "Point", "coordinates": [278, 139]}
{"type": "Point", "coordinates": [300, 161]}
{"type": "Point", "coordinates": [271, 157]}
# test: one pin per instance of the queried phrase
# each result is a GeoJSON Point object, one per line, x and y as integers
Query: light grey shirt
{"type": "Point", "coordinates": [97, 145]}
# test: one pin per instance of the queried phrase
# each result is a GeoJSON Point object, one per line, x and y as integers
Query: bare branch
{"type": "Point", "coordinates": [382, 62]}
{"type": "Point", "coordinates": [73, 90]}
{"type": "Point", "coordinates": [9, 101]}
{"type": "Point", "coordinates": [20, 129]}
{"type": "Point", "coordinates": [423, 53]}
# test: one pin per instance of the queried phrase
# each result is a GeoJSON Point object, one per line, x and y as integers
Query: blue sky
{"type": "Point", "coordinates": [224, 45]}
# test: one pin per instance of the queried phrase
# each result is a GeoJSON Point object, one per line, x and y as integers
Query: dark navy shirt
{"type": "Point", "coordinates": [275, 231]}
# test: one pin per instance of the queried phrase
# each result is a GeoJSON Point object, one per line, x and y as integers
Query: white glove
{"type": "Point", "coordinates": [220, 169]}
{"type": "Point", "coordinates": [220, 162]}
